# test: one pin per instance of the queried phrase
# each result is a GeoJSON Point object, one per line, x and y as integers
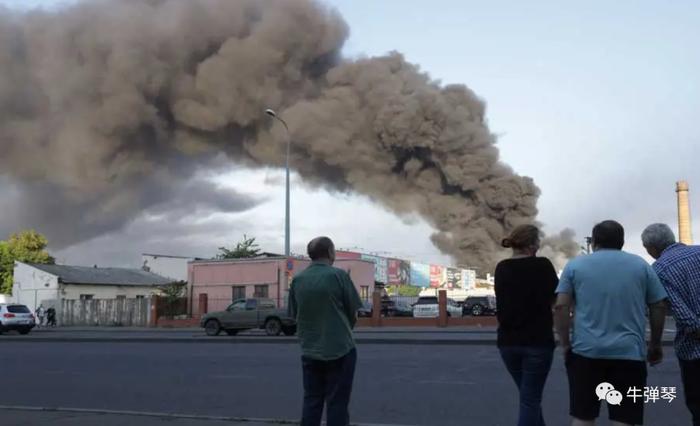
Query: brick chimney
{"type": "Point", "coordinates": [685, 235]}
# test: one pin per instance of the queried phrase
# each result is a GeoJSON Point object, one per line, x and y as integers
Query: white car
{"type": "Point", "coordinates": [16, 317]}
{"type": "Point", "coordinates": [427, 307]}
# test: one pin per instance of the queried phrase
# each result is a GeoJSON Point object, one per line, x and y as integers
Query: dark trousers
{"type": "Point", "coordinates": [529, 367]}
{"type": "Point", "coordinates": [690, 373]}
{"type": "Point", "coordinates": [329, 383]}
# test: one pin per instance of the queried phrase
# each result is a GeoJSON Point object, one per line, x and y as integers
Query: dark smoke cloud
{"type": "Point", "coordinates": [109, 107]}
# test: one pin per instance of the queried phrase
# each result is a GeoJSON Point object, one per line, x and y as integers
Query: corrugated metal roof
{"type": "Point", "coordinates": [103, 276]}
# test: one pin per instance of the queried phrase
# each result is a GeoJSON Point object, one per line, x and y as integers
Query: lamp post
{"type": "Point", "coordinates": [274, 115]}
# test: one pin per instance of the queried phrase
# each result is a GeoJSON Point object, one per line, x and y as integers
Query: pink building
{"type": "Point", "coordinates": [226, 280]}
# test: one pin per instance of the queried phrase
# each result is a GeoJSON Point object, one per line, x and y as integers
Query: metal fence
{"type": "Point", "coordinates": [170, 308]}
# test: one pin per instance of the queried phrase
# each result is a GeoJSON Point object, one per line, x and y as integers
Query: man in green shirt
{"type": "Point", "coordinates": [324, 302]}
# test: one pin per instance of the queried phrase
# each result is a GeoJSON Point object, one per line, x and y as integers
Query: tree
{"type": "Point", "coordinates": [173, 298]}
{"type": "Point", "coordinates": [409, 291]}
{"type": "Point", "coordinates": [244, 249]}
{"type": "Point", "coordinates": [26, 246]}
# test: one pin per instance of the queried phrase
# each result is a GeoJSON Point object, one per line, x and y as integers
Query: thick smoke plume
{"type": "Point", "coordinates": [108, 108]}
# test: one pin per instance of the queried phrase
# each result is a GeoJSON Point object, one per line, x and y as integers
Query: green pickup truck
{"type": "Point", "coordinates": [246, 314]}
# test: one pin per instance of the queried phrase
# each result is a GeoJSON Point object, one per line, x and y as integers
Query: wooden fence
{"type": "Point", "coordinates": [105, 312]}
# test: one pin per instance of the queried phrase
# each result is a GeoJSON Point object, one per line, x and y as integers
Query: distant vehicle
{"type": "Point", "coordinates": [366, 310]}
{"type": "Point", "coordinates": [479, 305]}
{"type": "Point", "coordinates": [246, 314]}
{"type": "Point", "coordinates": [14, 317]}
{"type": "Point", "coordinates": [402, 309]}
{"type": "Point", "coordinates": [388, 309]}
{"type": "Point", "coordinates": [427, 307]}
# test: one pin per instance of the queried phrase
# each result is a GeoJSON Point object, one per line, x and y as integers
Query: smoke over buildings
{"type": "Point", "coordinates": [109, 108]}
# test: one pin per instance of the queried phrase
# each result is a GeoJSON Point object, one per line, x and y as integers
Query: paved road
{"type": "Point", "coordinates": [385, 335]}
{"type": "Point", "coordinates": [438, 385]}
{"type": "Point", "coordinates": [56, 418]}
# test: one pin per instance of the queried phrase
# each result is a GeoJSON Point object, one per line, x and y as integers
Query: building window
{"type": "Point", "coordinates": [261, 291]}
{"type": "Point", "coordinates": [86, 296]}
{"type": "Point", "coordinates": [364, 292]}
{"type": "Point", "coordinates": [140, 296]}
{"type": "Point", "coordinates": [121, 297]}
{"type": "Point", "coordinates": [237, 292]}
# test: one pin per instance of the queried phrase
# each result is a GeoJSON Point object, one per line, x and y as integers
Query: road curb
{"type": "Point", "coordinates": [166, 415]}
{"type": "Point", "coordinates": [233, 340]}
{"type": "Point", "coordinates": [260, 340]}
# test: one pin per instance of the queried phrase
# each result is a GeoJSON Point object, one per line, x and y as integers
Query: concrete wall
{"type": "Point", "coordinates": [167, 266]}
{"type": "Point", "coordinates": [217, 279]}
{"type": "Point", "coordinates": [126, 312]}
{"type": "Point", "coordinates": [32, 286]}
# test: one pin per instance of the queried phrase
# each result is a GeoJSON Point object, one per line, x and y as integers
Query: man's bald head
{"type": "Point", "coordinates": [321, 248]}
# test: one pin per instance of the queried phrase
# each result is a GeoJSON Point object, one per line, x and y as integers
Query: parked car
{"type": "Point", "coordinates": [246, 314]}
{"type": "Point", "coordinates": [366, 310]}
{"type": "Point", "coordinates": [402, 309]}
{"type": "Point", "coordinates": [388, 309]}
{"type": "Point", "coordinates": [16, 317]}
{"type": "Point", "coordinates": [427, 307]}
{"type": "Point", "coordinates": [479, 305]}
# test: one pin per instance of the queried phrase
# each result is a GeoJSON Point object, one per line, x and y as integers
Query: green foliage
{"type": "Point", "coordinates": [173, 298]}
{"type": "Point", "coordinates": [26, 246]}
{"type": "Point", "coordinates": [405, 290]}
{"type": "Point", "coordinates": [174, 290]}
{"type": "Point", "coordinates": [244, 249]}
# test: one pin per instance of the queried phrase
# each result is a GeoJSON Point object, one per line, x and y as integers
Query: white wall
{"type": "Point", "coordinates": [167, 266]}
{"type": "Point", "coordinates": [73, 291]}
{"type": "Point", "coordinates": [32, 286]}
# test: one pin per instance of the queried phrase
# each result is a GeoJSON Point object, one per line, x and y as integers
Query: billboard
{"type": "Point", "coordinates": [437, 276]}
{"type": "Point", "coordinates": [341, 254]}
{"type": "Point", "coordinates": [454, 278]}
{"type": "Point", "coordinates": [380, 267]}
{"type": "Point", "coordinates": [420, 275]}
{"type": "Point", "coordinates": [468, 279]}
{"type": "Point", "coordinates": [398, 272]}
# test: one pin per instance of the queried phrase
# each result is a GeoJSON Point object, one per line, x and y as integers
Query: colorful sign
{"type": "Point", "coordinates": [468, 279]}
{"type": "Point", "coordinates": [454, 278]}
{"type": "Point", "coordinates": [380, 267]}
{"type": "Point", "coordinates": [437, 276]}
{"type": "Point", "coordinates": [347, 255]}
{"type": "Point", "coordinates": [398, 272]}
{"type": "Point", "coordinates": [420, 275]}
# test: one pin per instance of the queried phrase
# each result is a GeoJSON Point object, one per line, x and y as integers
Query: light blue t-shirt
{"type": "Point", "coordinates": [611, 289]}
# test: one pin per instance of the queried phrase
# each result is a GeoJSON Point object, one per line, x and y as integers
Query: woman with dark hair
{"type": "Point", "coordinates": [525, 287]}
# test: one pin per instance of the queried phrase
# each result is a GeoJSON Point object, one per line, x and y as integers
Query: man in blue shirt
{"type": "Point", "coordinates": [609, 292]}
{"type": "Point", "coordinates": [678, 267]}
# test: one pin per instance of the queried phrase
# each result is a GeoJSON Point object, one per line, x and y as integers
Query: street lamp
{"type": "Point", "coordinates": [274, 115]}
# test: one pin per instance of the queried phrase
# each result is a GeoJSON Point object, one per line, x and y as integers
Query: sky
{"type": "Point", "coordinates": [597, 101]}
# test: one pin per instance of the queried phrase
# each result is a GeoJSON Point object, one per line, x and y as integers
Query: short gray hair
{"type": "Point", "coordinates": [658, 236]}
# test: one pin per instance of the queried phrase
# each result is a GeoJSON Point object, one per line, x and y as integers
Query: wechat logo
{"type": "Point", "coordinates": [606, 391]}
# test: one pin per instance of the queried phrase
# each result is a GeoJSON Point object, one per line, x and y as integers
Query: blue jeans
{"type": "Point", "coordinates": [529, 367]}
{"type": "Point", "coordinates": [328, 383]}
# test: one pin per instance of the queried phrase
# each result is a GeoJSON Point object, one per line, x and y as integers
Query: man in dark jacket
{"type": "Point", "coordinates": [324, 301]}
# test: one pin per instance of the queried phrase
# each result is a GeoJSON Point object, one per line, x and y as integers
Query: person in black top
{"type": "Point", "coordinates": [525, 287]}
